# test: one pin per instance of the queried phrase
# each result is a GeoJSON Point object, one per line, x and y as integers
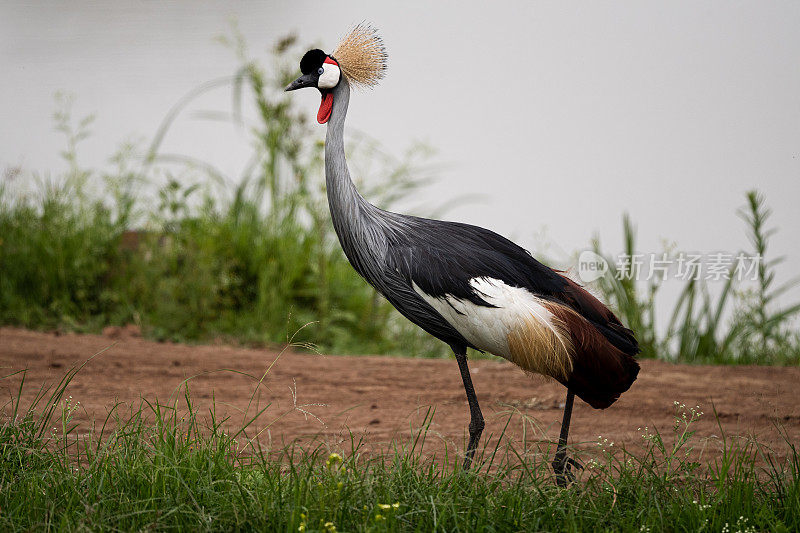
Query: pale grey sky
{"type": "Point", "coordinates": [562, 115]}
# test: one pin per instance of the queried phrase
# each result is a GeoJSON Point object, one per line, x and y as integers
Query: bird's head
{"type": "Point", "coordinates": [360, 57]}
{"type": "Point", "coordinates": [321, 71]}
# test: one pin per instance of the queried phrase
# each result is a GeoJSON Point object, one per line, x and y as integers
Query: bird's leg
{"type": "Point", "coordinates": [562, 465]}
{"type": "Point", "coordinates": [476, 417]}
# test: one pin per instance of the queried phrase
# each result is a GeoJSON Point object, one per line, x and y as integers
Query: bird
{"type": "Point", "coordinates": [465, 285]}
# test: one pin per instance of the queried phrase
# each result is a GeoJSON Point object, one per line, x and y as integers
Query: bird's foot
{"type": "Point", "coordinates": [467, 464]}
{"type": "Point", "coordinates": [475, 430]}
{"type": "Point", "coordinates": [468, 459]}
{"type": "Point", "coordinates": [562, 466]}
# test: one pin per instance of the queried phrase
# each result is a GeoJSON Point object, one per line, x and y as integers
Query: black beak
{"type": "Point", "coordinates": [306, 80]}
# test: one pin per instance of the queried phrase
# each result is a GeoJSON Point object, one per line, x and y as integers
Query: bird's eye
{"type": "Point", "coordinates": [320, 70]}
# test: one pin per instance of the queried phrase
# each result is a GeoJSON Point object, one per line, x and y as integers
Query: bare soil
{"type": "Point", "coordinates": [380, 399]}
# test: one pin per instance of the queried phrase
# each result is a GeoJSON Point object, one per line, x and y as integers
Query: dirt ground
{"type": "Point", "coordinates": [381, 398]}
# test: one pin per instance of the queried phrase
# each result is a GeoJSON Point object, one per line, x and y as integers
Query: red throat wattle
{"type": "Point", "coordinates": [325, 107]}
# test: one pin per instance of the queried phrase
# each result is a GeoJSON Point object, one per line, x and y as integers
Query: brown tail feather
{"type": "Point", "coordinates": [600, 370]}
{"type": "Point", "coordinates": [585, 304]}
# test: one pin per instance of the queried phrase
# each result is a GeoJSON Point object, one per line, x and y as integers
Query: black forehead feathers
{"type": "Point", "coordinates": [312, 60]}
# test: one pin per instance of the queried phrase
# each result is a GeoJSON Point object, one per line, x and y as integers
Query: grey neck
{"type": "Point", "coordinates": [349, 210]}
{"type": "Point", "coordinates": [364, 230]}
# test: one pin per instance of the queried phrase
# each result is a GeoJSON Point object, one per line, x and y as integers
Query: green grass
{"type": "Point", "coordinates": [740, 323]}
{"type": "Point", "coordinates": [168, 466]}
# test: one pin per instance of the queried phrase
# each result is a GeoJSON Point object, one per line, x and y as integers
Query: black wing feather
{"type": "Point", "coordinates": [442, 257]}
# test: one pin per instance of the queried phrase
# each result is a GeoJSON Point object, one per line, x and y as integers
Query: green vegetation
{"type": "Point", "coordinates": [170, 244]}
{"type": "Point", "coordinates": [164, 466]}
{"type": "Point", "coordinates": [699, 331]}
{"type": "Point", "coordinates": [254, 262]}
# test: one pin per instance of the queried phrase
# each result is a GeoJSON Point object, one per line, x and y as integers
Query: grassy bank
{"type": "Point", "coordinates": [174, 246]}
{"type": "Point", "coordinates": [170, 244]}
{"type": "Point", "coordinates": [167, 466]}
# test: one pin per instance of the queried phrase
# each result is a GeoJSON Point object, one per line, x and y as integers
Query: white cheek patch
{"type": "Point", "coordinates": [329, 77]}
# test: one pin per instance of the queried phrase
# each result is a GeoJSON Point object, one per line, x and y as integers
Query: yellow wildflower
{"type": "Point", "coordinates": [334, 459]}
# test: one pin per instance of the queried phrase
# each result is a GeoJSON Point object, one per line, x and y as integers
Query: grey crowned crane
{"type": "Point", "coordinates": [463, 284]}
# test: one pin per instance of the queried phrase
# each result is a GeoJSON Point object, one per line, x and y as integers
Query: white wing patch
{"type": "Point", "coordinates": [519, 328]}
